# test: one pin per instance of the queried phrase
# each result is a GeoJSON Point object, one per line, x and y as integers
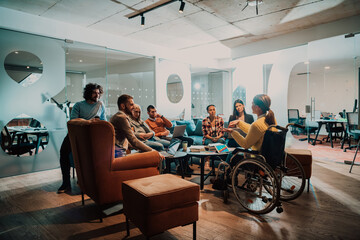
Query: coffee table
{"type": "Point", "coordinates": [202, 155]}
{"type": "Point", "coordinates": [179, 155]}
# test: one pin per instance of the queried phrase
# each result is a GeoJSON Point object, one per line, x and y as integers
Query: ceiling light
{"type": "Point", "coordinates": [327, 67]}
{"type": "Point", "coordinates": [253, 3]}
{"type": "Point", "coordinates": [142, 20]}
{"type": "Point", "coordinates": [182, 5]}
{"type": "Point", "coordinates": [306, 62]}
{"type": "Point", "coordinates": [80, 60]}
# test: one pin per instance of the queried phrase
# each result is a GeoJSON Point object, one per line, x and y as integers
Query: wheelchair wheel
{"type": "Point", "coordinates": [291, 178]}
{"type": "Point", "coordinates": [255, 186]}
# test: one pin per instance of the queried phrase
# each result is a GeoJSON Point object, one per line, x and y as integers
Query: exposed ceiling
{"type": "Point", "coordinates": [203, 22]}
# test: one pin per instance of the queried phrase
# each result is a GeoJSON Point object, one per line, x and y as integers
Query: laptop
{"type": "Point", "coordinates": [179, 131]}
{"type": "Point", "coordinates": [172, 149]}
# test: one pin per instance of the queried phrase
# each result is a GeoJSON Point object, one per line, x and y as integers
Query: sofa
{"type": "Point", "coordinates": [193, 129]}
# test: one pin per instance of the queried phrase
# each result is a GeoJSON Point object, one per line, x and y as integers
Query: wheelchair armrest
{"type": "Point", "coordinates": [240, 149]}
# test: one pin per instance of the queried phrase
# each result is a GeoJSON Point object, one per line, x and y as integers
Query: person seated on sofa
{"type": "Point", "coordinates": [239, 114]}
{"type": "Point", "coordinates": [212, 127]}
{"type": "Point", "coordinates": [144, 133]}
{"type": "Point", "coordinates": [159, 124]}
{"type": "Point", "coordinates": [123, 133]}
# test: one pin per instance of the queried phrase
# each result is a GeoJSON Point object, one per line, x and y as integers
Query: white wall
{"type": "Point", "coordinates": [164, 68]}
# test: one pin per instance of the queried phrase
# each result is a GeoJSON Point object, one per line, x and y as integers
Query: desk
{"type": "Point", "coordinates": [202, 155]}
{"type": "Point", "coordinates": [23, 132]}
{"type": "Point", "coordinates": [328, 123]}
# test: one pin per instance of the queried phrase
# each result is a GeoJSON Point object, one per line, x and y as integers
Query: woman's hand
{"type": "Point", "coordinates": [233, 124]}
{"type": "Point", "coordinates": [228, 130]}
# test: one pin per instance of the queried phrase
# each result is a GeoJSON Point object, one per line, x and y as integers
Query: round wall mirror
{"type": "Point", "coordinates": [23, 67]}
{"type": "Point", "coordinates": [24, 136]}
{"type": "Point", "coordinates": [174, 88]}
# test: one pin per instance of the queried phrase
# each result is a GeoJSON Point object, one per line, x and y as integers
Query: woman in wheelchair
{"type": "Point", "coordinates": [255, 131]}
{"type": "Point", "coordinates": [262, 176]}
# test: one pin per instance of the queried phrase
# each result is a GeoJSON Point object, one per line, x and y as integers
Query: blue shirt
{"type": "Point", "coordinates": [88, 111]}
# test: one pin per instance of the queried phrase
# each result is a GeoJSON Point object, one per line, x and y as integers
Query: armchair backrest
{"type": "Point", "coordinates": [92, 145]}
{"type": "Point", "coordinates": [100, 174]}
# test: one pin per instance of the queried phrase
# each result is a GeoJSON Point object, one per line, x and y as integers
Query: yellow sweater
{"type": "Point", "coordinates": [254, 134]}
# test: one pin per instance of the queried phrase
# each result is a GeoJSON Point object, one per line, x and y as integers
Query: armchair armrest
{"type": "Point", "coordinates": [240, 149]}
{"type": "Point", "coordinates": [136, 161]}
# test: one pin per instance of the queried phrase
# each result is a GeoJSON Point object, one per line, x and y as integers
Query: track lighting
{"type": "Point", "coordinates": [182, 5]}
{"type": "Point", "coordinates": [142, 20]}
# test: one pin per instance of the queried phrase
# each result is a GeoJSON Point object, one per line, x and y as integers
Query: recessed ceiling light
{"type": "Point", "coordinates": [27, 67]}
{"type": "Point", "coordinates": [80, 60]}
{"type": "Point", "coordinates": [16, 52]}
{"type": "Point", "coordinates": [327, 67]}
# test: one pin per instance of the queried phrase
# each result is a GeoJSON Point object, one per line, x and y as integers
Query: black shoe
{"type": "Point", "coordinates": [64, 188]}
{"type": "Point", "coordinates": [189, 170]}
{"type": "Point", "coordinates": [178, 172]}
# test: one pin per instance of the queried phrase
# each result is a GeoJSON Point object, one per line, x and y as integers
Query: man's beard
{"type": "Point", "coordinates": [128, 111]}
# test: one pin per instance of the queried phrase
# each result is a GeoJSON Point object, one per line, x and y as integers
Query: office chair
{"type": "Point", "coordinates": [351, 130]}
{"type": "Point", "coordinates": [352, 123]}
{"type": "Point", "coordinates": [294, 117]}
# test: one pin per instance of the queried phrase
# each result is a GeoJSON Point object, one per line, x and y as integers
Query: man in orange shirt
{"type": "Point", "coordinates": [158, 123]}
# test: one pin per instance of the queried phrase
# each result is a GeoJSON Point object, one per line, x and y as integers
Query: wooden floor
{"type": "Point", "coordinates": [30, 208]}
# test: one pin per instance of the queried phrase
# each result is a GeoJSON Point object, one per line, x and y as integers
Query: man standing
{"type": "Point", "coordinates": [87, 109]}
{"type": "Point", "coordinates": [123, 133]}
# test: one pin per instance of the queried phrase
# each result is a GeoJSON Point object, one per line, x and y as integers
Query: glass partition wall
{"type": "Point", "coordinates": [40, 80]}
{"type": "Point", "coordinates": [326, 84]}
{"type": "Point", "coordinates": [210, 87]}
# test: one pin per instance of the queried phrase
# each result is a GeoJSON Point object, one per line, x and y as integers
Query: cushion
{"type": "Point", "coordinates": [190, 126]}
{"type": "Point", "coordinates": [161, 192]}
{"type": "Point", "coordinates": [198, 129]}
{"type": "Point", "coordinates": [172, 128]}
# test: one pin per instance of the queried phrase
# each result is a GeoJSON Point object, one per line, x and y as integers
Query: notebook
{"type": "Point", "coordinates": [172, 149]}
{"type": "Point", "coordinates": [221, 148]}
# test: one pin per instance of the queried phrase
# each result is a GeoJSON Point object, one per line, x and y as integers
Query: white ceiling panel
{"type": "Point", "coordinates": [84, 13]}
{"type": "Point", "coordinates": [203, 21]}
{"type": "Point", "coordinates": [36, 7]}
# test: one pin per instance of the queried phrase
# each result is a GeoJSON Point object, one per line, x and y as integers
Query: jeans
{"type": "Point", "coordinates": [157, 145]}
{"type": "Point", "coordinates": [220, 140]}
{"type": "Point", "coordinates": [65, 151]}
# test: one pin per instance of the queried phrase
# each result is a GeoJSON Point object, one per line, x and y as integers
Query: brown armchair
{"type": "Point", "coordinates": [100, 174]}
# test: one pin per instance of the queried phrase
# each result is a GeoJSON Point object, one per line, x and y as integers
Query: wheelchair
{"type": "Point", "coordinates": [261, 180]}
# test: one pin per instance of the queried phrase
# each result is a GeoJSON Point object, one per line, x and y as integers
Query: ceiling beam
{"type": "Point", "coordinates": [149, 8]}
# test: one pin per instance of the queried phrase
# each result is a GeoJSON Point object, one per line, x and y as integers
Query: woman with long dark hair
{"type": "Point", "coordinates": [239, 114]}
{"type": "Point", "coordinates": [254, 132]}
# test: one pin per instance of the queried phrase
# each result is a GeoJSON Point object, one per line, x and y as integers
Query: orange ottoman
{"type": "Point", "coordinates": [158, 203]}
{"type": "Point", "coordinates": [305, 158]}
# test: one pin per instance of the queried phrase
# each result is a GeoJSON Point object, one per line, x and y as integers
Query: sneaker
{"type": "Point", "coordinates": [178, 172]}
{"type": "Point", "coordinates": [64, 188]}
{"type": "Point", "coordinates": [189, 170]}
